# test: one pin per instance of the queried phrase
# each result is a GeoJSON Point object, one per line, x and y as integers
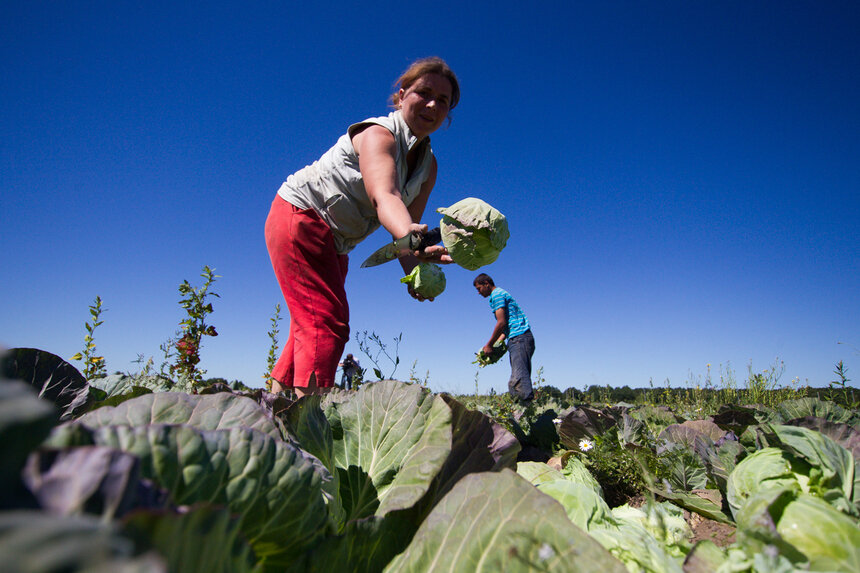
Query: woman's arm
{"type": "Point", "coordinates": [416, 208]}
{"type": "Point", "coordinates": [435, 253]}
{"type": "Point", "coordinates": [377, 150]}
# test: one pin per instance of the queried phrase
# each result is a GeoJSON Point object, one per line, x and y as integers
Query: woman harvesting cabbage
{"type": "Point", "coordinates": [380, 172]}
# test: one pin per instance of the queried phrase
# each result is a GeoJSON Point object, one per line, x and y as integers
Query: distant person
{"type": "Point", "coordinates": [381, 171]}
{"type": "Point", "coordinates": [351, 372]}
{"type": "Point", "coordinates": [512, 325]}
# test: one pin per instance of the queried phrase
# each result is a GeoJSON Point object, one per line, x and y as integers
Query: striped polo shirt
{"type": "Point", "coordinates": [517, 321]}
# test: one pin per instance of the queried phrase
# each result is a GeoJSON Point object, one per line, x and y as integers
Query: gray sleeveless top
{"type": "Point", "coordinates": [333, 187]}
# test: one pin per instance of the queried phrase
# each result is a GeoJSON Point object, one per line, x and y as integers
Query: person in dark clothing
{"type": "Point", "coordinates": [351, 371]}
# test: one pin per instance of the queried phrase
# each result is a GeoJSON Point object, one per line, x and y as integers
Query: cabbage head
{"type": "Point", "coordinates": [763, 469]}
{"type": "Point", "coordinates": [663, 520]}
{"type": "Point", "coordinates": [426, 279]}
{"type": "Point", "coordinates": [499, 350]}
{"type": "Point", "coordinates": [811, 533]}
{"type": "Point", "coordinates": [808, 462]}
{"type": "Point", "coordinates": [473, 232]}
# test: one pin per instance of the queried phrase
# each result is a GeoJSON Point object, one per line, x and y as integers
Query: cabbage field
{"type": "Point", "coordinates": [134, 473]}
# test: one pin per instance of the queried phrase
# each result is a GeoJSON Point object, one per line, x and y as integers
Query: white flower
{"type": "Point", "coordinates": [585, 444]}
{"type": "Point", "coordinates": [557, 421]}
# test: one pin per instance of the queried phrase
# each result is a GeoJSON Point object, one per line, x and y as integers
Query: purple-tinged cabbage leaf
{"type": "Point", "coordinates": [55, 379]}
{"type": "Point", "coordinates": [274, 488]}
{"type": "Point", "coordinates": [89, 479]}
{"type": "Point", "coordinates": [583, 422]}
{"type": "Point", "coordinates": [25, 421]}
{"type": "Point", "coordinates": [206, 412]}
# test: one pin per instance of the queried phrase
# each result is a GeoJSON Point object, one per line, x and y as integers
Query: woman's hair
{"type": "Point", "coordinates": [422, 67]}
{"type": "Point", "coordinates": [483, 279]}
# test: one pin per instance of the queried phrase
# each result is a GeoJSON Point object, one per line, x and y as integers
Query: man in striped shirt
{"type": "Point", "coordinates": [511, 324]}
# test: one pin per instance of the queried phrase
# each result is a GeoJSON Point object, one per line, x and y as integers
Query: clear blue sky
{"type": "Point", "coordinates": [681, 179]}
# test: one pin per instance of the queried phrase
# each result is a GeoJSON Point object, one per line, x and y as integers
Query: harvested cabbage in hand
{"type": "Point", "coordinates": [426, 279]}
{"type": "Point", "coordinates": [473, 232]}
{"type": "Point", "coordinates": [499, 350]}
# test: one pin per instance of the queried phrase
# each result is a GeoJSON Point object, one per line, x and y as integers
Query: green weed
{"type": "Point", "coordinates": [186, 345]}
{"type": "Point", "coordinates": [94, 365]}
{"type": "Point", "coordinates": [373, 347]}
{"type": "Point", "coordinates": [272, 358]}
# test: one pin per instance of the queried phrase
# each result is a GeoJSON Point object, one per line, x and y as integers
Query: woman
{"type": "Point", "coordinates": [380, 172]}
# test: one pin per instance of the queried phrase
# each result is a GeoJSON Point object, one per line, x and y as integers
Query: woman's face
{"type": "Point", "coordinates": [425, 104]}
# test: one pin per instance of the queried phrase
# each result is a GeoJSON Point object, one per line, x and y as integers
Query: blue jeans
{"type": "Point", "coordinates": [520, 349]}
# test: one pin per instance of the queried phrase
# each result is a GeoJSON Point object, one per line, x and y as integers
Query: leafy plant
{"type": "Point", "coordinates": [414, 378]}
{"type": "Point", "coordinates": [759, 383]}
{"type": "Point", "coordinates": [800, 458]}
{"type": "Point", "coordinates": [843, 380]}
{"type": "Point", "coordinates": [499, 349]}
{"type": "Point", "coordinates": [272, 358]}
{"type": "Point", "coordinates": [502, 409]}
{"type": "Point", "coordinates": [476, 528]}
{"type": "Point", "coordinates": [193, 328]}
{"type": "Point", "coordinates": [144, 364]}
{"type": "Point", "coordinates": [373, 347]}
{"type": "Point", "coordinates": [94, 365]}
{"type": "Point", "coordinates": [615, 468]}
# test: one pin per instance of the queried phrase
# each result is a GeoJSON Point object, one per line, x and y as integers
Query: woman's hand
{"type": "Point", "coordinates": [417, 296]}
{"type": "Point", "coordinates": [418, 228]}
{"type": "Point", "coordinates": [434, 254]}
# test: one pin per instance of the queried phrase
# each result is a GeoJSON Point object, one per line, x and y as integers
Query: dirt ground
{"type": "Point", "coordinates": [703, 528]}
{"type": "Point", "coordinates": [720, 533]}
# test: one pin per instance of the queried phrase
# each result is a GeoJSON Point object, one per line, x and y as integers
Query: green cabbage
{"type": "Point", "coordinates": [808, 462]}
{"type": "Point", "coordinates": [499, 350]}
{"type": "Point", "coordinates": [766, 468]}
{"type": "Point", "coordinates": [663, 520]}
{"type": "Point", "coordinates": [473, 232]}
{"type": "Point", "coordinates": [584, 506]}
{"type": "Point", "coordinates": [426, 279]}
{"type": "Point", "coordinates": [806, 529]}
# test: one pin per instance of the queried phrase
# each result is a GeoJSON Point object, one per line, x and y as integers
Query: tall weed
{"type": "Point", "coordinates": [94, 365]}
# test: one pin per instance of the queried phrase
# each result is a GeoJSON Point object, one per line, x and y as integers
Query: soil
{"type": "Point", "coordinates": [721, 534]}
{"type": "Point", "coordinates": [703, 528]}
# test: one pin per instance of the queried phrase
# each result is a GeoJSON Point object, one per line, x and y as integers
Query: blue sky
{"type": "Point", "coordinates": [681, 179]}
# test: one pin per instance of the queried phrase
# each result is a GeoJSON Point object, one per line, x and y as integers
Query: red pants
{"type": "Point", "coordinates": [312, 276]}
